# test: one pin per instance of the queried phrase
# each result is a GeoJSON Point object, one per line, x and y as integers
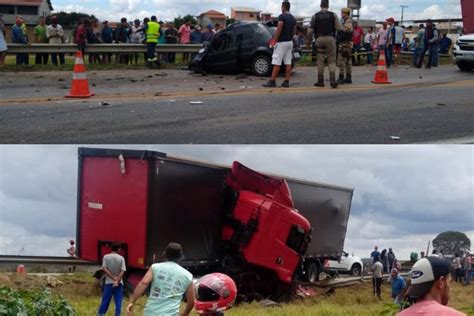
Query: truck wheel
{"type": "Point", "coordinates": [312, 272]}
{"type": "Point", "coordinates": [464, 66]}
{"type": "Point", "coordinates": [261, 65]}
{"type": "Point", "coordinates": [356, 269]}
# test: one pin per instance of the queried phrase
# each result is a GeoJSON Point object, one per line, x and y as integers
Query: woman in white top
{"type": "Point", "coordinates": [3, 43]}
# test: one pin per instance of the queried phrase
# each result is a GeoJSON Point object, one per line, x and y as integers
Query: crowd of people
{"type": "Point", "coordinates": [427, 289]}
{"type": "Point", "coordinates": [390, 38]}
{"type": "Point", "coordinates": [93, 31]}
{"type": "Point", "coordinates": [393, 40]}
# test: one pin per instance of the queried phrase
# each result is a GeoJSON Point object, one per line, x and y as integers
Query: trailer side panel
{"type": "Point", "coordinates": [327, 209]}
{"type": "Point", "coordinates": [186, 207]}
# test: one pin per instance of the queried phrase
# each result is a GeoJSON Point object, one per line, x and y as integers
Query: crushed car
{"type": "Point", "coordinates": [242, 46]}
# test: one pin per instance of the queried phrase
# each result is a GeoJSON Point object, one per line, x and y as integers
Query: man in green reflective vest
{"type": "Point", "coordinates": [152, 36]}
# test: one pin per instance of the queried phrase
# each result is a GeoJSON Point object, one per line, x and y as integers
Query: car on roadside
{"type": "Point", "coordinates": [463, 52]}
{"type": "Point", "coordinates": [239, 47]}
{"type": "Point", "coordinates": [347, 263]}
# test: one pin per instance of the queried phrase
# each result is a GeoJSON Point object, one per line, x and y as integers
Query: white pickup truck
{"type": "Point", "coordinates": [348, 263]}
{"type": "Point", "coordinates": [463, 52]}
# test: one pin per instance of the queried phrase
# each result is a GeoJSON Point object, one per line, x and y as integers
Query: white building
{"type": "Point", "coordinates": [30, 10]}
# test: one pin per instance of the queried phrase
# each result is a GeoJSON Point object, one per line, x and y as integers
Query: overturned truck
{"type": "Point", "coordinates": [267, 232]}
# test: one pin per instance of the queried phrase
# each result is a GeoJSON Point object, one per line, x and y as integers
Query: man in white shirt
{"type": "Point", "coordinates": [55, 35]}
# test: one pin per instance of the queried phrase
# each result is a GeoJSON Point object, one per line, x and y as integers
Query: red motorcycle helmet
{"type": "Point", "coordinates": [215, 292]}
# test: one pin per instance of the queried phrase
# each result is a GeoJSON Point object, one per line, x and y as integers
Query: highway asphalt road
{"type": "Point", "coordinates": [420, 106]}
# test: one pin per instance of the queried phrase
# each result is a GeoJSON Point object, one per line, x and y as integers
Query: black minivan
{"type": "Point", "coordinates": [239, 47]}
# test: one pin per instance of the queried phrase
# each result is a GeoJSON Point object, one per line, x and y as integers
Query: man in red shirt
{"type": "Point", "coordinates": [81, 35]}
{"type": "Point", "coordinates": [357, 36]}
{"type": "Point", "coordinates": [430, 278]}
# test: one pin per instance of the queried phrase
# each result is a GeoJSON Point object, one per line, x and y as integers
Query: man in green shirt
{"type": "Point", "coordinates": [41, 38]}
{"type": "Point", "coordinates": [168, 282]}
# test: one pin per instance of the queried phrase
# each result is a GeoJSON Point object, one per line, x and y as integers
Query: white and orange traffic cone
{"type": "Point", "coordinates": [381, 75]}
{"type": "Point", "coordinates": [80, 84]}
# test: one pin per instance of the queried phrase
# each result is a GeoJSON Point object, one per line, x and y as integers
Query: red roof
{"type": "Point", "coordinates": [213, 13]}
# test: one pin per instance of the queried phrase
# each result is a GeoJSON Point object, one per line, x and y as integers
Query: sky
{"type": "Point", "coordinates": [113, 10]}
{"type": "Point", "coordinates": [404, 195]}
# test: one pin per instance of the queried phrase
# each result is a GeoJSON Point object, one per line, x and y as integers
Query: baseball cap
{"type": "Point", "coordinates": [424, 273]}
{"type": "Point", "coordinates": [173, 251]}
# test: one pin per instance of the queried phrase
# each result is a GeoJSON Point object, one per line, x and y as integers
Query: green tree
{"type": "Point", "coordinates": [451, 242]}
{"type": "Point", "coordinates": [181, 20]}
{"type": "Point", "coordinates": [229, 21]}
{"type": "Point", "coordinates": [69, 20]}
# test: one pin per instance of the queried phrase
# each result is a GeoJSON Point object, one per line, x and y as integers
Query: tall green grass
{"type": "Point", "coordinates": [84, 296]}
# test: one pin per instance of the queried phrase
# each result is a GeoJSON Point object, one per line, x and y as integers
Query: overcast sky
{"type": "Point", "coordinates": [113, 10]}
{"type": "Point", "coordinates": [404, 195]}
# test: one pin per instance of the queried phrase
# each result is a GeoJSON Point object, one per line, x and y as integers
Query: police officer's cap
{"type": "Point", "coordinates": [346, 10]}
{"type": "Point", "coordinates": [324, 3]}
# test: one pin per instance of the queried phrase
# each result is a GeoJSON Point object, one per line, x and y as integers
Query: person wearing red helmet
{"type": "Point", "coordinates": [215, 293]}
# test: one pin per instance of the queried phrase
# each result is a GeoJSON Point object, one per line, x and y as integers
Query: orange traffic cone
{"type": "Point", "coordinates": [381, 75]}
{"type": "Point", "coordinates": [80, 84]}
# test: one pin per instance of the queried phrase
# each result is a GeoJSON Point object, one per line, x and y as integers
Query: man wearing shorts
{"type": "Point", "coordinates": [283, 46]}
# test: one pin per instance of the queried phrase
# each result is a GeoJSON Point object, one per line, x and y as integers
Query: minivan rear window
{"type": "Point", "coordinates": [263, 33]}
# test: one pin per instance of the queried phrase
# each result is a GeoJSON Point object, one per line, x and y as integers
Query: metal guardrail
{"type": "Point", "coordinates": [100, 48]}
{"type": "Point", "coordinates": [133, 48]}
{"type": "Point", "coordinates": [8, 259]}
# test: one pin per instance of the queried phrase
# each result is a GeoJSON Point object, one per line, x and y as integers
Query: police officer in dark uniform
{"type": "Point", "coordinates": [324, 25]}
{"type": "Point", "coordinates": [345, 45]}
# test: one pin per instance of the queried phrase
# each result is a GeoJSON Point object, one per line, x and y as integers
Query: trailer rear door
{"type": "Point", "coordinates": [113, 207]}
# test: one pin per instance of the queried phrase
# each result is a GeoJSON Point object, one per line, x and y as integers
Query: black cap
{"type": "Point", "coordinates": [424, 273]}
{"type": "Point", "coordinates": [173, 251]}
{"type": "Point", "coordinates": [324, 3]}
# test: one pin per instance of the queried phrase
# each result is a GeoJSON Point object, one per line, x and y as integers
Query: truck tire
{"type": "Point", "coordinates": [261, 65]}
{"type": "Point", "coordinates": [312, 272]}
{"type": "Point", "coordinates": [464, 66]}
{"type": "Point", "coordinates": [356, 269]}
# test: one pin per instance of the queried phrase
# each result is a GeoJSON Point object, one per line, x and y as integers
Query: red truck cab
{"type": "Point", "coordinates": [268, 229]}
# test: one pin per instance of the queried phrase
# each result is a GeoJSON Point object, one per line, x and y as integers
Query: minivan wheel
{"type": "Point", "coordinates": [464, 66]}
{"type": "Point", "coordinates": [261, 65]}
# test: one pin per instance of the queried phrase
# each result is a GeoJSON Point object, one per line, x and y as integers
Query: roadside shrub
{"type": "Point", "coordinates": [30, 302]}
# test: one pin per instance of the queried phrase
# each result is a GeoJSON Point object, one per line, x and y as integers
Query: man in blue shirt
{"type": "Point", "coordinates": [398, 285]}
{"type": "Point", "coordinates": [18, 37]}
{"type": "Point", "coordinates": [375, 255]}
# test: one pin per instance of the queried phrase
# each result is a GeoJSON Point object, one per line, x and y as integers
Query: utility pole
{"type": "Point", "coordinates": [403, 9]}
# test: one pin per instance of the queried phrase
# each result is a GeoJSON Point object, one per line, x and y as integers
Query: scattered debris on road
{"type": "Point", "coordinates": [196, 102]}
{"type": "Point", "coordinates": [104, 103]}
{"type": "Point", "coordinates": [395, 138]}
